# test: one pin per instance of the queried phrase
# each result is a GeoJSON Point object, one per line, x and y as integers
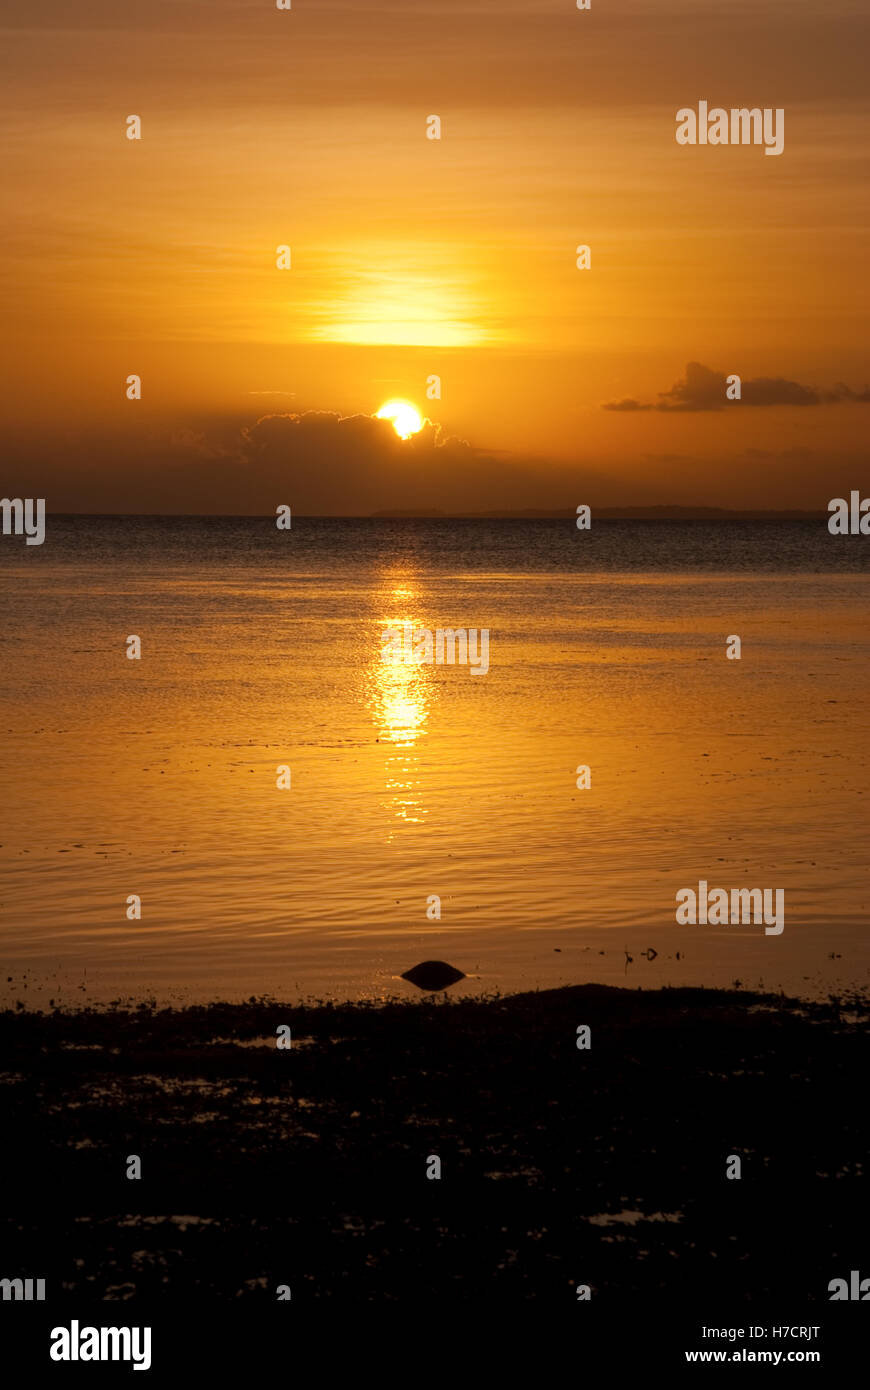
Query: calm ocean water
{"type": "Point", "coordinates": [263, 648]}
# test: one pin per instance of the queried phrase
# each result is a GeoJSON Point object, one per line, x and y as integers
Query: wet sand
{"type": "Point", "coordinates": [307, 1166]}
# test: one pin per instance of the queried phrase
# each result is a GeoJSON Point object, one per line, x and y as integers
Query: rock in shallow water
{"type": "Point", "coordinates": [433, 974]}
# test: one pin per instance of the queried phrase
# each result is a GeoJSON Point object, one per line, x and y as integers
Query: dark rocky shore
{"type": "Point", "coordinates": [307, 1167]}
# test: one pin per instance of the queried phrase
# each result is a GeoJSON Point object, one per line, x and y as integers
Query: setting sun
{"type": "Point", "coordinates": [405, 418]}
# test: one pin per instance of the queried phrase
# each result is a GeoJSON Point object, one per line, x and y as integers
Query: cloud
{"type": "Point", "coordinates": [321, 461]}
{"type": "Point", "coordinates": [352, 453]}
{"type": "Point", "coordinates": [627, 406]}
{"type": "Point", "coordinates": [704, 389]}
{"type": "Point", "coordinates": [329, 464]}
{"type": "Point", "coordinates": [196, 442]}
{"type": "Point", "coordinates": [845, 393]}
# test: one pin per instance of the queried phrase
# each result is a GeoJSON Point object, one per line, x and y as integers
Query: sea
{"type": "Point", "coordinates": [291, 814]}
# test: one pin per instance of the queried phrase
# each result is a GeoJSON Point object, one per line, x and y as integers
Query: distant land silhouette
{"type": "Point", "coordinates": [660, 513]}
{"type": "Point", "coordinates": [665, 512]}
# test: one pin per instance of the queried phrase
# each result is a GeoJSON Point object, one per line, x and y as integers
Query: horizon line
{"type": "Point", "coordinates": [663, 512]}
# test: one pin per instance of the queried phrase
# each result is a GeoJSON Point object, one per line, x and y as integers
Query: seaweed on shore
{"type": "Point", "coordinates": [307, 1165]}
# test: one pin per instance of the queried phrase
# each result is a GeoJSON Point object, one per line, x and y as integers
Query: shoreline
{"type": "Point", "coordinates": [308, 1166]}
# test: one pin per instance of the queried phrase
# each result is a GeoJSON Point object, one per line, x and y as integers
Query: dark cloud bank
{"type": "Point", "coordinates": [321, 463]}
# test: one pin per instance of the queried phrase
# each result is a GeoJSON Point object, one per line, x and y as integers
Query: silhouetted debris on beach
{"type": "Point", "coordinates": [307, 1166]}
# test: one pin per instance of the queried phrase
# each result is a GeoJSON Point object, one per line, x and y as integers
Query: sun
{"type": "Point", "coordinates": [406, 419]}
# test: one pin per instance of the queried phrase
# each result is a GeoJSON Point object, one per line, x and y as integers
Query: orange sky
{"type": "Point", "coordinates": [414, 257]}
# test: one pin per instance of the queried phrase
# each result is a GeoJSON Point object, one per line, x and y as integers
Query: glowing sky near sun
{"type": "Point", "coordinates": [413, 257]}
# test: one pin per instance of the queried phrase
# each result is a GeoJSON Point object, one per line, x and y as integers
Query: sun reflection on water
{"type": "Point", "coordinates": [401, 704]}
{"type": "Point", "coordinates": [399, 697]}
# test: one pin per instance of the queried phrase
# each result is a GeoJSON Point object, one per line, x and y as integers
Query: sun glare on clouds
{"type": "Point", "coordinates": [405, 418]}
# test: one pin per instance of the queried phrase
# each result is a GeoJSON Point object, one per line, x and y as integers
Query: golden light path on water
{"type": "Point", "coordinates": [399, 696]}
